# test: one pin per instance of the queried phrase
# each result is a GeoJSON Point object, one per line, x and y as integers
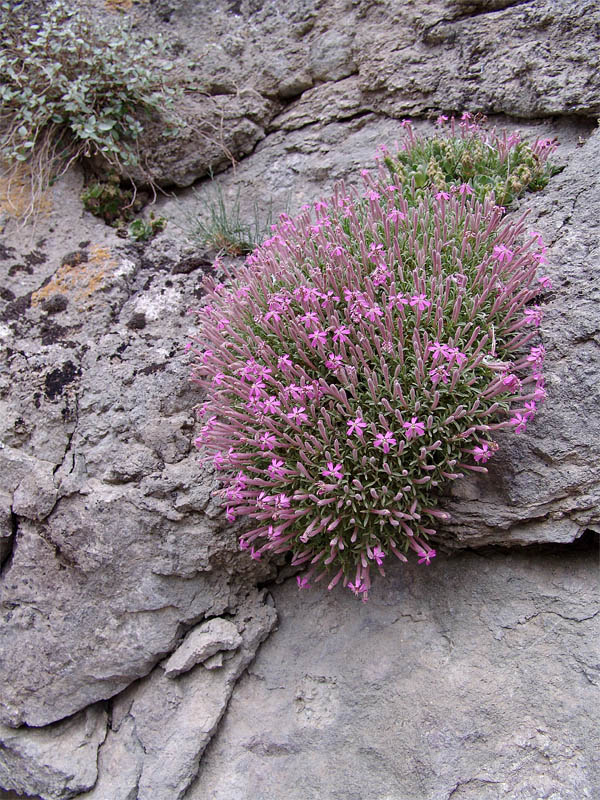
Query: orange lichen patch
{"type": "Point", "coordinates": [122, 5]}
{"type": "Point", "coordinates": [80, 277]}
{"type": "Point", "coordinates": [18, 194]}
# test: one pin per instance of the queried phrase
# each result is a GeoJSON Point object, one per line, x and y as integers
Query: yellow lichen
{"type": "Point", "coordinates": [80, 278]}
{"type": "Point", "coordinates": [18, 194]}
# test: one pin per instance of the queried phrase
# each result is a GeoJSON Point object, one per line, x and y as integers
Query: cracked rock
{"type": "Point", "coordinates": [161, 727]}
{"type": "Point", "coordinates": [200, 644]}
{"type": "Point", "coordinates": [56, 762]}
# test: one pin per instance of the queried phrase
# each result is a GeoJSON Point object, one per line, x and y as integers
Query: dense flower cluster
{"type": "Point", "coordinates": [364, 356]}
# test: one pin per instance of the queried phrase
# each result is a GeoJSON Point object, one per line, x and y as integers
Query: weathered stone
{"type": "Point", "coordinates": [475, 678]}
{"type": "Point", "coordinates": [214, 131]}
{"type": "Point", "coordinates": [56, 762]}
{"type": "Point", "coordinates": [202, 643]}
{"type": "Point", "coordinates": [100, 581]}
{"type": "Point", "coordinates": [161, 726]}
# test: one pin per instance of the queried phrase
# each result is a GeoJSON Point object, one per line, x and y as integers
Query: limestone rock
{"type": "Point", "coordinates": [56, 762]}
{"type": "Point", "coordinates": [119, 540]}
{"type": "Point", "coordinates": [200, 644]}
{"type": "Point", "coordinates": [476, 678]}
{"type": "Point", "coordinates": [161, 727]}
{"type": "Point", "coordinates": [213, 133]}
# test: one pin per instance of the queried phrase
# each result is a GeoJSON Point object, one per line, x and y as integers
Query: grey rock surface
{"type": "Point", "coordinates": [119, 543]}
{"type": "Point", "coordinates": [160, 727]}
{"type": "Point", "coordinates": [395, 58]}
{"type": "Point", "coordinates": [200, 644]}
{"type": "Point", "coordinates": [476, 678]}
{"type": "Point", "coordinates": [56, 762]}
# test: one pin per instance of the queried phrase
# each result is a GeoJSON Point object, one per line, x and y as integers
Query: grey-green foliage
{"type": "Point", "coordinates": [220, 225]}
{"type": "Point", "coordinates": [74, 86]}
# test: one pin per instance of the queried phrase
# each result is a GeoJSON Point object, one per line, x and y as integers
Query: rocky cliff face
{"type": "Point", "coordinates": [475, 678]}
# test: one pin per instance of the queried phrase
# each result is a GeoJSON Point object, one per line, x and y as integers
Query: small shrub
{"type": "Point", "coordinates": [366, 354]}
{"type": "Point", "coordinates": [72, 87]}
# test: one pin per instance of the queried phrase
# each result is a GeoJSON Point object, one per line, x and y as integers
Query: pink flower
{"type": "Point", "coordinates": [511, 381]}
{"type": "Point", "coordinates": [358, 588]}
{"type": "Point", "coordinates": [302, 582]}
{"type": "Point", "coordinates": [425, 558]}
{"type": "Point", "coordinates": [439, 374]}
{"type": "Point", "coordinates": [536, 355]}
{"type": "Point", "coordinates": [454, 354]}
{"type": "Point", "coordinates": [534, 315]}
{"type": "Point", "coordinates": [545, 281]}
{"type": "Point", "coordinates": [218, 379]}
{"type": "Point", "coordinates": [438, 349]}
{"type": "Point", "coordinates": [378, 555]}
{"type": "Point", "coordinates": [414, 428]}
{"type": "Point", "coordinates": [266, 441]}
{"type": "Point", "coordinates": [442, 196]}
{"type": "Point", "coordinates": [395, 215]}
{"type": "Point", "coordinates": [318, 338]}
{"type": "Point", "coordinates": [530, 409]}
{"type": "Point", "coordinates": [284, 363]}
{"type": "Point", "coordinates": [441, 119]}
{"type": "Point", "coordinates": [465, 189]}
{"type": "Point", "coordinates": [397, 300]}
{"type": "Point", "coordinates": [273, 314]}
{"type": "Point", "coordinates": [276, 468]}
{"type": "Point", "coordinates": [373, 312]}
{"type": "Point", "coordinates": [341, 334]}
{"type": "Point", "coordinates": [385, 441]}
{"type": "Point", "coordinates": [420, 301]}
{"type": "Point", "coordinates": [334, 362]}
{"type": "Point", "coordinates": [502, 254]}
{"type": "Point", "coordinates": [229, 515]}
{"type": "Point", "coordinates": [333, 471]}
{"type": "Point", "coordinates": [520, 422]}
{"type": "Point", "coordinates": [271, 405]}
{"type": "Point", "coordinates": [309, 319]}
{"type": "Point", "coordinates": [255, 554]}
{"type": "Point", "coordinates": [356, 426]}
{"type": "Point", "coordinates": [297, 415]}
{"type": "Point", "coordinates": [483, 453]}
{"type": "Point", "coordinates": [380, 275]}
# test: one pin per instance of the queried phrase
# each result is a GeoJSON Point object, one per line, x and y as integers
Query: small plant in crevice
{"type": "Point", "coordinates": [220, 225]}
{"type": "Point", "coordinates": [142, 230]}
{"type": "Point", "coordinates": [74, 87]}
{"type": "Point", "coordinates": [112, 201]}
{"type": "Point", "coordinates": [367, 353]}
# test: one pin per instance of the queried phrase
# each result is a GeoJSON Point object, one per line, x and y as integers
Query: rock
{"type": "Point", "coordinates": [56, 762]}
{"type": "Point", "coordinates": [212, 133]}
{"type": "Point", "coordinates": [331, 56]}
{"type": "Point", "coordinates": [202, 643]}
{"type": "Point", "coordinates": [214, 662]}
{"type": "Point", "coordinates": [162, 726]}
{"type": "Point", "coordinates": [119, 541]}
{"type": "Point", "coordinates": [473, 678]}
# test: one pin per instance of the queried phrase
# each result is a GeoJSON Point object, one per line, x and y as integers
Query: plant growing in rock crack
{"type": "Point", "coordinates": [366, 354]}
{"type": "Point", "coordinates": [72, 87]}
{"type": "Point", "coordinates": [221, 227]}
